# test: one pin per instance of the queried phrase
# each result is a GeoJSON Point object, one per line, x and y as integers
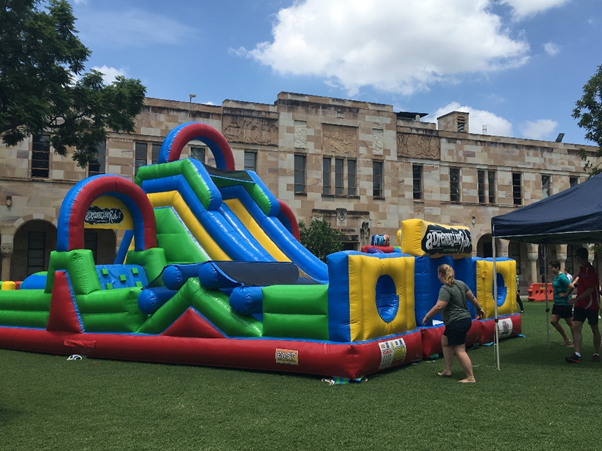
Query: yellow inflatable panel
{"type": "Point", "coordinates": [507, 294]}
{"type": "Point", "coordinates": [8, 285]}
{"type": "Point", "coordinates": [364, 274]}
{"type": "Point", "coordinates": [174, 199]}
{"type": "Point", "coordinates": [420, 238]}
{"type": "Point", "coordinates": [245, 217]}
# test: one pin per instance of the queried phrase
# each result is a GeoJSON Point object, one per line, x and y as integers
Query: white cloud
{"type": "Point", "coordinates": [399, 47]}
{"type": "Point", "coordinates": [477, 119]}
{"type": "Point", "coordinates": [523, 9]}
{"type": "Point", "coordinates": [109, 73]}
{"type": "Point", "coordinates": [80, 2]}
{"type": "Point", "coordinates": [540, 129]}
{"type": "Point", "coordinates": [551, 48]}
{"type": "Point", "coordinates": [131, 28]}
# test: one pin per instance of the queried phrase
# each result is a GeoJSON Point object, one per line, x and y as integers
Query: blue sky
{"type": "Point", "coordinates": [517, 66]}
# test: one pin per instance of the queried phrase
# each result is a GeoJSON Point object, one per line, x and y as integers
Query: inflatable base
{"type": "Point", "coordinates": [509, 326]}
{"type": "Point", "coordinates": [350, 360]}
{"type": "Point", "coordinates": [431, 339]}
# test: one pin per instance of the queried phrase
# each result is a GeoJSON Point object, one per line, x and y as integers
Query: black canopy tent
{"type": "Point", "coordinates": [573, 216]}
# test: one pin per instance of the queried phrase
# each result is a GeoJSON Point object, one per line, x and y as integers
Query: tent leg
{"type": "Point", "coordinates": [545, 279]}
{"type": "Point", "coordinates": [496, 343]}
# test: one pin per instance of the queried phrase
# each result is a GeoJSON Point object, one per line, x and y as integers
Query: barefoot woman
{"type": "Point", "coordinates": [457, 320]}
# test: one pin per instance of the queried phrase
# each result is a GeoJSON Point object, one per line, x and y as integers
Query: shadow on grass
{"type": "Point", "coordinates": [385, 373]}
{"type": "Point", "coordinates": [540, 355]}
{"type": "Point", "coordinates": [8, 416]}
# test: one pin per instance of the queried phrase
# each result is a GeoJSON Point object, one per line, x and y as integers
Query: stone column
{"type": "Point", "coordinates": [533, 255]}
{"type": "Point", "coordinates": [501, 248]}
{"type": "Point", "coordinates": [561, 254]}
{"type": "Point", "coordinates": [7, 251]}
{"type": "Point", "coordinates": [365, 234]}
{"type": "Point", "coordinates": [590, 253]}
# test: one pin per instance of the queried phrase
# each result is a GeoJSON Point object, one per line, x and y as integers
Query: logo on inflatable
{"type": "Point", "coordinates": [287, 356]}
{"type": "Point", "coordinates": [505, 327]}
{"type": "Point", "coordinates": [96, 216]}
{"type": "Point", "coordinates": [392, 351]}
{"type": "Point", "coordinates": [444, 240]}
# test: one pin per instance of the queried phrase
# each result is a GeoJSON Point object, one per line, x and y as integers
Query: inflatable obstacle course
{"type": "Point", "coordinates": [211, 272]}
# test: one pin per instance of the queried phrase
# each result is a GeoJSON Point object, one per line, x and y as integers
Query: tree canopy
{"type": "Point", "coordinates": [588, 111]}
{"type": "Point", "coordinates": [320, 239]}
{"type": "Point", "coordinates": [43, 87]}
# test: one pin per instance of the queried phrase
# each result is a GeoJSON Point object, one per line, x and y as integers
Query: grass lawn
{"type": "Point", "coordinates": [537, 401]}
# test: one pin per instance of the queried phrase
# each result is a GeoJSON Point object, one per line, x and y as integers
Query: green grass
{"type": "Point", "coordinates": [537, 401]}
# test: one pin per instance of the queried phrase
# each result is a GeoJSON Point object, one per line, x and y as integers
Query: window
{"type": "Point", "coordinates": [481, 186]}
{"type": "Point", "coordinates": [517, 190]}
{"type": "Point", "coordinates": [417, 180]}
{"type": "Point", "coordinates": [326, 164]}
{"type": "Point", "coordinates": [36, 250]}
{"type": "Point", "coordinates": [98, 167]}
{"type": "Point", "coordinates": [570, 264]}
{"type": "Point", "coordinates": [338, 176]}
{"type": "Point", "coordinates": [377, 179]}
{"type": "Point", "coordinates": [299, 174]}
{"type": "Point", "coordinates": [40, 156]}
{"type": "Point", "coordinates": [156, 150]}
{"type": "Point", "coordinates": [250, 161]}
{"type": "Point", "coordinates": [351, 177]}
{"type": "Point", "coordinates": [461, 124]}
{"type": "Point", "coordinates": [541, 260]}
{"type": "Point", "coordinates": [545, 186]}
{"type": "Point", "coordinates": [491, 183]}
{"type": "Point", "coordinates": [139, 156]}
{"type": "Point", "coordinates": [198, 153]}
{"type": "Point", "coordinates": [487, 249]}
{"type": "Point", "coordinates": [91, 242]}
{"type": "Point", "coordinates": [454, 184]}
{"type": "Point", "coordinates": [573, 181]}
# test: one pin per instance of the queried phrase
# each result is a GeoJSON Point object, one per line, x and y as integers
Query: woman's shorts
{"type": "Point", "coordinates": [564, 311]}
{"type": "Point", "coordinates": [456, 331]}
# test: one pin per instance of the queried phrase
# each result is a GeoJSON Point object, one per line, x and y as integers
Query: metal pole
{"type": "Point", "coordinates": [496, 342]}
{"type": "Point", "coordinates": [545, 279]}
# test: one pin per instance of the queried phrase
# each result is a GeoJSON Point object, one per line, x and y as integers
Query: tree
{"type": "Point", "coordinates": [320, 239]}
{"type": "Point", "coordinates": [40, 60]}
{"type": "Point", "coordinates": [589, 113]}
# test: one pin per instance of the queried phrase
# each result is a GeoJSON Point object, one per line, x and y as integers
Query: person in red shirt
{"type": "Point", "coordinates": [587, 305]}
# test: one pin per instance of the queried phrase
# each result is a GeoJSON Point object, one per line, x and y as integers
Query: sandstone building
{"type": "Point", "coordinates": [359, 165]}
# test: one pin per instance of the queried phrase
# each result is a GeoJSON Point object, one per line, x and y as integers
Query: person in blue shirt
{"type": "Point", "coordinates": [562, 309]}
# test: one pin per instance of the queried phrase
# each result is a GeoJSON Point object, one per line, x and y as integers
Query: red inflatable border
{"type": "Point", "coordinates": [348, 360]}
{"type": "Point", "coordinates": [488, 328]}
{"type": "Point", "coordinates": [103, 185]}
{"type": "Point", "coordinates": [431, 339]}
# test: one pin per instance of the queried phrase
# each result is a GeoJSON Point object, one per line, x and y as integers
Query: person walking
{"type": "Point", "coordinates": [562, 309]}
{"type": "Point", "coordinates": [587, 306]}
{"type": "Point", "coordinates": [456, 317]}
{"type": "Point", "coordinates": [519, 301]}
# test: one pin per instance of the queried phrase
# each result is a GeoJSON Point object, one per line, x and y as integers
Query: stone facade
{"type": "Point", "coordinates": [356, 138]}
